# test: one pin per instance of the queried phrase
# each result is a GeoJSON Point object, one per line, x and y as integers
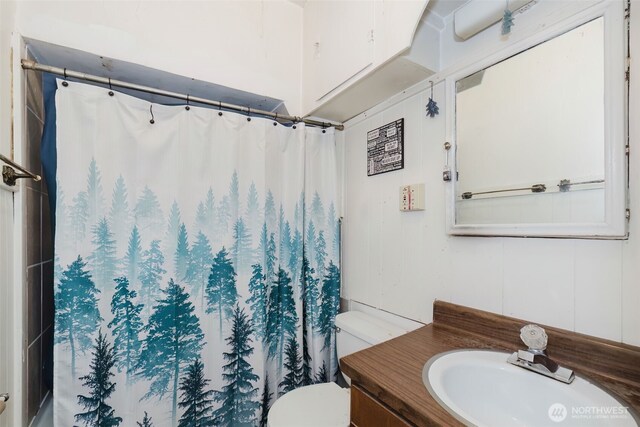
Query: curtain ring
{"type": "Point", "coordinates": [295, 120]}
{"type": "Point", "coordinates": [65, 83]}
{"type": "Point", "coordinates": [110, 88]}
{"type": "Point", "coordinates": [187, 106]}
{"type": "Point", "coordinates": [248, 114]}
{"type": "Point", "coordinates": [275, 121]}
{"type": "Point", "coordinates": [220, 108]}
{"type": "Point", "coordinates": [152, 121]}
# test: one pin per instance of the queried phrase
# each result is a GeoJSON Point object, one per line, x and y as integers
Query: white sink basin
{"type": "Point", "coordinates": [480, 388]}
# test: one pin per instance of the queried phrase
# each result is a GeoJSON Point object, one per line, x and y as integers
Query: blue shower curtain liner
{"type": "Point", "coordinates": [197, 261]}
{"type": "Point", "coordinates": [48, 143]}
{"type": "Point", "coordinates": [48, 157]}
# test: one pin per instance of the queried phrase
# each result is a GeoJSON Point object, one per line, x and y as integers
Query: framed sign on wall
{"type": "Point", "coordinates": [385, 148]}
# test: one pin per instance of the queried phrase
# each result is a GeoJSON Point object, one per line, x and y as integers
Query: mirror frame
{"type": "Point", "coordinates": [615, 224]}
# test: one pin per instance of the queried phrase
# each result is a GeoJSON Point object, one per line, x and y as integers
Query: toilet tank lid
{"type": "Point", "coordinates": [368, 328]}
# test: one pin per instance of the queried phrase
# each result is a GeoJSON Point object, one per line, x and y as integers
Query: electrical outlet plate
{"type": "Point", "coordinates": [412, 197]}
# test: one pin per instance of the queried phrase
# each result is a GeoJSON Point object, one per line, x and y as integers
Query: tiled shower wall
{"type": "Point", "coordinates": [38, 256]}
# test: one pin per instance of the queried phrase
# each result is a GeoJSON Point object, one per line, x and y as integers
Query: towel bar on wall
{"type": "Point", "coordinates": [9, 175]}
{"type": "Point", "coordinates": [3, 399]}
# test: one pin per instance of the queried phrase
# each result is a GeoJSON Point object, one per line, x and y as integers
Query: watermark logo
{"type": "Point", "coordinates": [557, 412]}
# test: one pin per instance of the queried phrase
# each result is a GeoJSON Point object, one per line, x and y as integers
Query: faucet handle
{"type": "Point", "coordinates": [534, 337]}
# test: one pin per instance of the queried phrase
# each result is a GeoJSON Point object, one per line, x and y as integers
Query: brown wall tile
{"type": "Point", "coordinates": [33, 246]}
{"type": "Point", "coordinates": [47, 295]}
{"type": "Point", "coordinates": [33, 82]}
{"type": "Point", "coordinates": [35, 100]}
{"type": "Point", "coordinates": [32, 148]}
{"type": "Point", "coordinates": [34, 303]}
{"type": "Point", "coordinates": [47, 232]}
{"type": "Point", "coordinates": [47, 353]}
{"type": "Point", "coordinates": [34, 378]}
{"type": "Point", "coordinates": [38, 238]}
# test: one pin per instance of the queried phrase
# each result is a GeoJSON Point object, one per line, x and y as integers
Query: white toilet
{"type": "Point", "coordinates": [327, 405]}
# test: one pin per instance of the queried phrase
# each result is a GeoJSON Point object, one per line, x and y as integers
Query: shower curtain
{"type": "Point", "coordinates": [197, 262]}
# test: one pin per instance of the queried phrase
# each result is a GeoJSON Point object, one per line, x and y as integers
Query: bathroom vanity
{"type": "Point", "coordinates": [387, 384]}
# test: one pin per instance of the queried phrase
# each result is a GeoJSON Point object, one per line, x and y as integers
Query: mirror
{"type": "Point", "coordinates": [533, 141]}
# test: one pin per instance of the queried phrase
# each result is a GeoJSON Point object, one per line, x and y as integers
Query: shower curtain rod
{"type": "Point", "coordinates": [32, 65]}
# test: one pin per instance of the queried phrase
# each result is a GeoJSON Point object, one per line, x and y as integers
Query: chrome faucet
{"type": "Point", "coordinates": [536, 359]}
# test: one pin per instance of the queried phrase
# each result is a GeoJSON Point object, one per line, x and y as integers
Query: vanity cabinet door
{"type": "Point", "coordinates": [366, 411]}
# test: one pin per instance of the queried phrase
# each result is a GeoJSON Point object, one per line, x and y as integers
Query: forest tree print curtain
{"type": "Point", "coordinates": [197, 262]}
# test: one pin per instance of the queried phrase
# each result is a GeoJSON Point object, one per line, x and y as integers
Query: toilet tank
{"type": "Point", "coordinates": [357, 330]}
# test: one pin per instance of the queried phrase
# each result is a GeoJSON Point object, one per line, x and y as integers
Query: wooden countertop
{"type": "Point", "coordinates": [392, 371]}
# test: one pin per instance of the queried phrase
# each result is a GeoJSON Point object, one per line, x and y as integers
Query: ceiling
{"type": "Point", "coordinates": [443, 8]}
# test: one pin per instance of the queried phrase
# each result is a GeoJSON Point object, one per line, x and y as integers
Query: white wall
{"type": "Point", "coordinates": [7, 16]}
{"type": "Point", "coordinates": [250, 45]}
{"type": "Point", "coordinates": [10, 379]}
{"type": "Point", "coordinates": [401, 262]}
